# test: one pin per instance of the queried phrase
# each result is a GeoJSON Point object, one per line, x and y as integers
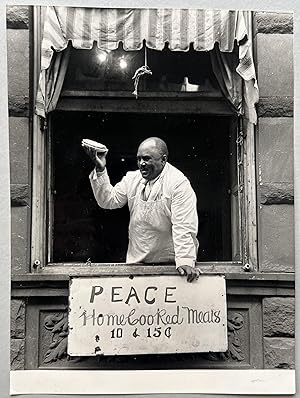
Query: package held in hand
{"type": "Point", "coordinates": [94, 145]}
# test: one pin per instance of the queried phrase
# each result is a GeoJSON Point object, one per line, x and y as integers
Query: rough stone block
{"type": "Point", "coordinates": [18, 105]}
{"type": "Point", "coordinates": [19, 239]}
{"type": "Point", "coordinates": [279, 316]}
{"type": "Point", "coordinates": [273, 22]}
{"type": "Point", "coordinates": [17, 354]}
{"type": "Point", "coordinates": [17, 319]}
{"type": "Point", "coordinates": [276, 161]}
{"type": "Point", "coordinates": [279, 352]}
{"type": "Point", "coordinates": [18, 61]}
{"type": "Point", "coordinates": [19, 147]}
{"type": "Point", "coordinates": [276, 237]}
{"type": "Point", "coordinates": [275, 65]}
{"type": "Point", "coordinates": [275, 107]}
{"type": "Point", "coordinates": [17, 17]}
{"type": "Point", "coordinates": [276, 193]}
{"type": "Point", "coordinates": [19, 195]}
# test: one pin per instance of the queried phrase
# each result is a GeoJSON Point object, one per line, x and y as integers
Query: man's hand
{"type": "Point", "coordinates": [191, 272]}
{"type": "Point", "coordinates": [98, 158]}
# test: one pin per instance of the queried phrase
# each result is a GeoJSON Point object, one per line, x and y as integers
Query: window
{"type": "Point", "coordinates": [198, 145]}
{"type": "Point", "coordinates": [180, 102]}
{"type": "Point", "coordinates": [111, 71]}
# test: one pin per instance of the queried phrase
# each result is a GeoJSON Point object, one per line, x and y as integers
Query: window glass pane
{"type": "Point", "coordinates": [171, 71]}
{"type": "Point", "coordinates": [198, 145]}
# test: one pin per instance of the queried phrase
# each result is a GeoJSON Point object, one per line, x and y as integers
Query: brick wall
{"type": "Point", "coordinates": [18, 51]}
{"type": "Point", "coordinates": [274, 57]}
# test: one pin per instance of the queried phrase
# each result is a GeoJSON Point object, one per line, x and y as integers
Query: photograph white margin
{"type": "Point", "coordinates": [131, 382]}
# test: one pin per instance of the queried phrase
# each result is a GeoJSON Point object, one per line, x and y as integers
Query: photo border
{"type": "Point", "coordinates": [184, 378]}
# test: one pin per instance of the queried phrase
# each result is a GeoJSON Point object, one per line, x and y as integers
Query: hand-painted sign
{"type": "Point", "coordinates": [146, 315]}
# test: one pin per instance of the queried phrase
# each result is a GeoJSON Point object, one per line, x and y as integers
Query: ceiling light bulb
{"type": "Point", "coordinates": [102, 57]}
{"type": "Point", "coordinates": [123, 63]}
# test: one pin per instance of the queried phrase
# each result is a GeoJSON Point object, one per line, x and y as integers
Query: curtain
{"type": "Point", "coordinates": [238, 82]}
{"type": "Point", "coordinates": [51, 82]}
{"type": "Point", "coordinates": [179, 27]}
{"type": "Point", "coordinates": [230, 82]}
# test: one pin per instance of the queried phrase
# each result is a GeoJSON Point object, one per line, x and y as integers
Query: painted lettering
{"type": "Point", "coordinates": [96, 290]}
{"type": "Point", "coordinates": [196, 316]}
{"type": "Point", "coordinates": [132, 294]}
{"type": "Point", "coordinates": [147, 300]}
{"type": "Point", "coordinates": [168, 295]}
{"type": "Point", "coordinates": [114, 294]}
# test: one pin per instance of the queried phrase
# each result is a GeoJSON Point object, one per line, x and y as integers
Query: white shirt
{"type": "Point", "coordinates": [176, 195]}
{"type": "Point", "coordinates": [148, 187]}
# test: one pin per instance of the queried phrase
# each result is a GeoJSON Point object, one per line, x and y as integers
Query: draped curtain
{"type": "Point", "coordinates": [229, 81]}
{"type": "Point", "coordinates": [178, 27]}
{"type": "Point", "coordinates": [51, 82]}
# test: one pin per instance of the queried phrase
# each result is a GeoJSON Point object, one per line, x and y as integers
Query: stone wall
{"type": "Point", "coordinates": [18, 53]}
{"type": "Point", "coordinates": [279, 332]}
{"type": "Point", "coordinates": [17, 334]}
{"type": "Point", "coordinates": [274, 57]}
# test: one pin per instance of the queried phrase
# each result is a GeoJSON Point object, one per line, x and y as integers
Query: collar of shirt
{"type": "Point", "coordinates": [149, 185]}
{"type": "Point", "coordinates": [152, 182]}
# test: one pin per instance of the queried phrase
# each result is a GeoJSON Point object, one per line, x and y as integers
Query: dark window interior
{"type": "Point", "coordinates": [198, 145]}
{"type": "Point", "coordinates": [97, 70]}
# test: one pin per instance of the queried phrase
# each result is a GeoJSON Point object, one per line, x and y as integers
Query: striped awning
{"type": "Point", "coordinates": [178, 27]}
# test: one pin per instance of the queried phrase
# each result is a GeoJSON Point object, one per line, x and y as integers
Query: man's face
{"type": "Point", "coordinates": [150, 161]}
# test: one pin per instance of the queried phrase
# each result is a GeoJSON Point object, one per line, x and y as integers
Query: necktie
{"type": "Point", "coordinates": [147, 190]}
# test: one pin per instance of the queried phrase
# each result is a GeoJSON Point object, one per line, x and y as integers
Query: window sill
{"type": "Point", "coordinates": [53, 280]}
{"type": "Point", "coordinates": [56, 284]}
{"type": "Point", "coordinates": [62, 271]}
{"type": "Point", "coordinates": [111, 269]}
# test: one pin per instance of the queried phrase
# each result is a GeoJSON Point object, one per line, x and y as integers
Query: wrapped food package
{"type": "Point", "coordinates": [94, 145]}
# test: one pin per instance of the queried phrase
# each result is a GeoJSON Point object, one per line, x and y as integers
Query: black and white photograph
{"type": "Point", "coordinates": [151, 155]}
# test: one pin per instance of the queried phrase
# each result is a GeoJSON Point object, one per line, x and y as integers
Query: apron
{"type": "Point", "coordinates": [150, 228]}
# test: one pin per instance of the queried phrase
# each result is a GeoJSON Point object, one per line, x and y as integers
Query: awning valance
{"type": "Point", "coordinates": [178, 27]}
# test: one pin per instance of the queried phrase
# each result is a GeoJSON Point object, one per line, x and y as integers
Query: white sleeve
{"type": "Point", "coordinates": [106, 195]}
{"type": "Point", "coordinates": [184, 220]}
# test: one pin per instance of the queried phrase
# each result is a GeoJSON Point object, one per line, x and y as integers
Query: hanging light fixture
{"type": "Point", "coordinates": [123, 64]}
{"type": "Point", "coordinates": [102, 57]}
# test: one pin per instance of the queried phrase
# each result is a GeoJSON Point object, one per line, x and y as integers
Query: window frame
{"type": "Point", "coordinates": [91, 101]}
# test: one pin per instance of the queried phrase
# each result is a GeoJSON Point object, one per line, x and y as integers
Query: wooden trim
{"type": "Point", "coordinates": [237, 284]}
{"type": "Point", "coordinates": [253, 305]}
{"type": "Point", "coordinates": [32, 338]}
{"type": "Point", "coordinates": [143, 95]}
{"type": "Point", "coordinates": [256, 330]}
{"type": "Point", "coordinates": [63, 291]}
{"type": "Point", "coordinates": [249, 306]}
{"type": "Point", "coordinates": [108, 270]}
{"type": "Point", "coordinates": [250, 195]}
{"type": "Point", "coordinates": [50, 205]}
{"type": "Point", "coordinates": [241, 191]}
{"type": "Point", "coordinates": [150, 102]}
{"type": "Point", "coordinates": [38, 233]}
{"type": "Point", "coordinates": [32, 353]}
{"type": "Point", "coordinates": [145, 105]}
{"type": "Point", "coordinates": [133, 269]}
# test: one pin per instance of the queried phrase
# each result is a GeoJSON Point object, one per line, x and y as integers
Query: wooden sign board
{"type": "Point", "coordinates": [146, 315]}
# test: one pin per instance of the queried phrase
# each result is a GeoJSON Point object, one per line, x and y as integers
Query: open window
{"type": "Point", "coordinates": [185, 103]}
